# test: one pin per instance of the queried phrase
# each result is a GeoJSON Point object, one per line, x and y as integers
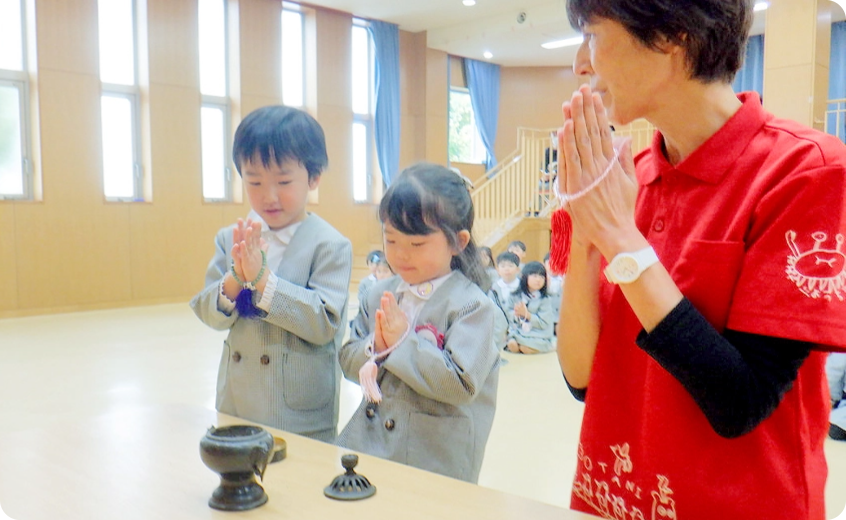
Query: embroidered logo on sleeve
{"type": "Point", "coordinates": [818, 272]}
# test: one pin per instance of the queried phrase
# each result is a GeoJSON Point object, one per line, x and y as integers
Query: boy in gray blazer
{"type": "Point", "coordinates": [279, 283]}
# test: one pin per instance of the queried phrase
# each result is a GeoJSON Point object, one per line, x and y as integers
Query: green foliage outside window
{"type": "Point", "coordinates": [464, 140]}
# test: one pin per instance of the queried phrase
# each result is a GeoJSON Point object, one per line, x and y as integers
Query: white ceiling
{"type": "Point", "coordinates": [490, 25]}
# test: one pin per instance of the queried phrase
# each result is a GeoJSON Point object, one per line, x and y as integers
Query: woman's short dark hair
{"type": "Point", "coordinates": [713, 33]}
{"type": "Point", "coordinates": [277, 133]}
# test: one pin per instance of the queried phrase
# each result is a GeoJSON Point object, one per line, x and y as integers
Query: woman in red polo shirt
{"type": "Point", "coordinates": [706, 275]}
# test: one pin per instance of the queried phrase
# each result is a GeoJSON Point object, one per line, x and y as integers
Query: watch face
{"type": "Point", "coordinates": [625, 269]}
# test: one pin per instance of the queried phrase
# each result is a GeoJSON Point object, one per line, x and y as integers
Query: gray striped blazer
{"type": "Point", "coordinates": [281, 370]}
{"type": "Point", "coordinates": [541, 334]}
{"type": "Point", "coordinates": [438, 405]}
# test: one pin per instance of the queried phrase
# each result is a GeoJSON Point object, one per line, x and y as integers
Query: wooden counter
{"type": "Point", "coordinates": [144, 464]}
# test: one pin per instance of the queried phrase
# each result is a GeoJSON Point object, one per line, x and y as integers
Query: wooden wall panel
{"type": "Point", "coordinates": [412, 98]}
{"type": "Point", "coordinates": [530, 97]}
{"type": "Point", "coordinates": [75, 251]}
{"type": "Point", "coordinates": [532, 232]}
{"type": "Point", "coordinates": [73, 248]}
{"type": "Point", "coordinates": [168, 235]}
{"type": "Point", "coordinates": [173, 36]}
{"type": "Point", "coordinates": [437, 95]}
{"type": "Point", "coordinates": [334, 59]}
{"type": "Point", "coordinates": [8, 259]}
{"type": "Point", "coordinates": [261, 48]}
{"type": "Point", "coordinates": [67, 36]}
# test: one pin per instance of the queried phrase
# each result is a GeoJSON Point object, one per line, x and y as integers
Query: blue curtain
{"type": "Point", "coordinates": [751, 75]}
{"type": "Point", "coordinates": [387, 114]}
{"type": "Point", "coordinates": [837, 76]}
{"type": "Point", "coordinates": [483, 83]}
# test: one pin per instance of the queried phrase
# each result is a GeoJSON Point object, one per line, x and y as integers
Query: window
{"type": "Point", "coordinates": [215, 111]}
{"type": "Point", "coordinates": [465, 141]}
{"type": "Point", "coordinates": [15, 169]}
{"type": "Point", "coordinates": [293, 64]}
{"type": "Point", "coordinates": [122, 172]}
{"type": "Point", "coordinates": [362, 105]}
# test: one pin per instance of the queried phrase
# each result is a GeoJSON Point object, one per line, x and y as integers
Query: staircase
{"type": "Point", "coordinates": [835, 118]}
{"type": "Point", "coordinates": [511, 191]}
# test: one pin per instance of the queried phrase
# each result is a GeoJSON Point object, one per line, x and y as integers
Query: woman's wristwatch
{"type": "Point", "coordinates": [627, 267]}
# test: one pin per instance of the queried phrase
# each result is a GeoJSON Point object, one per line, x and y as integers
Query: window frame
{"type": "Point", "coordinates": [224, 104]}
{"type": "Point", "coordinates": [133, 94]}
{"type": "Point", "coordinates": [22, 86]}
{"type": "Point", "coordinates": [225, 107]}
{"type": "Point", "coordinates": [366, 119]}
{"type": "Point", "coordinates": [20, 80]}
{"type": "Point", "coordinates": [478, 148]}
{"type": "Point", "coordinates": [295, 9]}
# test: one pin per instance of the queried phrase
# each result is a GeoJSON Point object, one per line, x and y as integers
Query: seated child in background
{"type": "Point", "coordinates": [383, 269]}
{"type": "Point", "coordinates": [424, 344]}
{"type": "Point", "coordinates": [503, 288]}
{"type": "Point", "coordinates": [554, 281]}
{"type": "Point", "coordinates": [835, 368]}
{"type": "Point", "coordinates": [279, 283]}
{"type": "Point", "coordinates": [532, 326]}
{"type": "Point", "coordinates": [373, 258]}
{"type": "Point", "coordinates": [554, 288]}
{"type": "Point", "coordinates": [488, 263]}
{"type": "Point", "coordinates": [518, 248]}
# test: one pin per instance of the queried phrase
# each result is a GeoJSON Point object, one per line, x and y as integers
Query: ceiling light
{"type": "Point", "coordinates": [488, 55]}
{"type": "Point", "coordinates": [469, 3]}
{"type": "Point", "coordinates": [563, 43]}
{"type": "Point", "coordinates": [760, 6]}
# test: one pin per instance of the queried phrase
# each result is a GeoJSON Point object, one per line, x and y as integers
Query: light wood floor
{"type": "Point", "coordinates": [59, 366]}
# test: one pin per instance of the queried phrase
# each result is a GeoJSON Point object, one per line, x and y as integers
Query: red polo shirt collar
{"type": "Point", "coordinates": [715, 157]}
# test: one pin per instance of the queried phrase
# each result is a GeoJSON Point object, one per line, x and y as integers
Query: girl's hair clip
{"type": "Point", "coordinates": [467, 182]}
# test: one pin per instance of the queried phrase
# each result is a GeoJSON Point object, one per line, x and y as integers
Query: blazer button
{"type": "Point", "coordinates": [658, 225]}
{"type": "Point", "coordinates": [236, 357]}
{"type": "Point", "coordinates": [265, 360]}
{"type": "Point", "coordinates": [370, 411]}
{"type": "Point", "coordinates": [389, 424]}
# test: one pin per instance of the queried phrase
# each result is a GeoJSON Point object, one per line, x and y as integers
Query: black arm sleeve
{"type": "Point", "coordinates": [737, 379]}
{"type": "Point", "coordinates": [579, 393]}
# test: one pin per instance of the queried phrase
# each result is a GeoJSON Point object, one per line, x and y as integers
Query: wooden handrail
{"type": "Point", "coordinates": [510, 191]}
{"type": "Point", "coordinates": [513, 189]}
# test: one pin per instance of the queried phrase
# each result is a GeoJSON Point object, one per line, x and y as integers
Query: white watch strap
{"type": "Point", "coordinates": [644, 258]}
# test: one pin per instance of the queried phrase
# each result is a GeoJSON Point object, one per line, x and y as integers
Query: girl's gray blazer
{"type": "Point", "coordinates": [541, 336]}
{"type": "Point", "coordinates": [438, 405]}
{"type": "Point", "coordinates": [281, 369]}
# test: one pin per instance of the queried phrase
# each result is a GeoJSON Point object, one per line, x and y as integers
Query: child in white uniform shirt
{"type": "Point", "coordinates": [502, 290]}
{"type": "Point", "coordinates": [279, 283]}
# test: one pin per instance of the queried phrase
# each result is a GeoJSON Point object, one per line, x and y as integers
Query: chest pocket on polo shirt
{"type": "Point", "coordinates": [706, 273]}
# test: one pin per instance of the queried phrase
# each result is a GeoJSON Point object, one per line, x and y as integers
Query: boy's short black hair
{"type": "Point", "coordinates": [277, 133]}
{"type": "Point", "coordinates": [508, 256]}
{"type": "Point", "coordinates": [517, 243]}
{"type": "Point", "coordinates": [713, 33]}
